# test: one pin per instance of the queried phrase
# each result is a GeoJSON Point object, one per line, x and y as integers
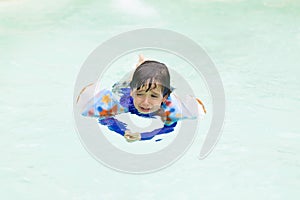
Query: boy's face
{"type": "Point", "coordinates": [147, 102]}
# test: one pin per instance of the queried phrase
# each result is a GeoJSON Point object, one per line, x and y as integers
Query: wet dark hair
{"type": "Point", "coordinates": [151, 74]}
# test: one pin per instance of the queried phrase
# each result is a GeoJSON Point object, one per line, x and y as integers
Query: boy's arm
{"type": "Point", "coordinates": [103, 105]}
{"type": "Point", "coordinates": [114, 125]}
{"type": "Point", "coordinates": [165, 129]}
{"type": "Point", "coordinates": [177, 109]}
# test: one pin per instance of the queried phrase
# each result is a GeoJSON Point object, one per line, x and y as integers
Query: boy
{"type": "Point", "coordinates": [148, 94]}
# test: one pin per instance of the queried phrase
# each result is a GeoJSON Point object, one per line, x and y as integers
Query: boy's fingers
{"type": "Point", "coordinates": [141, 58]}
{"type": "Point", "coordinates": [78, 97]}
{"type": "Point", "coordinates": [130, 137]}
{"type": "Point", "coordinates": [129, 140]}
{"type": "Point", "coordinates": [127, 136]}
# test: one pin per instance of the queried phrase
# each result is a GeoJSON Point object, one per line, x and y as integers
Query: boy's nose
{"type": "Point", "coordinates": [146, 101]}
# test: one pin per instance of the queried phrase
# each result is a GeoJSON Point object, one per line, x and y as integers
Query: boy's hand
{"type": "Point", "coordinates": [141, 60]}
{"type": "Point", "coordinates": [78, 97]}
{"type": "Point", "coordinates": [132, 137]}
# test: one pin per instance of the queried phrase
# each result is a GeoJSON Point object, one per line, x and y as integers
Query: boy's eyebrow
{"type": "Point", "coordinates": [155, 93]}
{"type": "Point", "coordinates": [143, 90]}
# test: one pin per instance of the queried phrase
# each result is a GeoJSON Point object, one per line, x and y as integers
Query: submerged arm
{"type": "Point", "coordinates": [114, 125]}
{"type": "Point", "coordinates": [165, 129]}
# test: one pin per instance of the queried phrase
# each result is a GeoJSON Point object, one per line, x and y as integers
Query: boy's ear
{"type": "Point", "coordinates": [165, 98]}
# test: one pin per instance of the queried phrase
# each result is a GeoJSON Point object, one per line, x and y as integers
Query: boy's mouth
{"type": "Point", "coordinates": [145, 109]}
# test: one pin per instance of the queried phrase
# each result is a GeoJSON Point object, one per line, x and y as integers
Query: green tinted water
{"type": "Point", "coordinates": [255, 46]}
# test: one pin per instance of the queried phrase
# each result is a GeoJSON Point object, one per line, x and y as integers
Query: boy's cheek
{"type": "Point", "coordinates": [155, 108]}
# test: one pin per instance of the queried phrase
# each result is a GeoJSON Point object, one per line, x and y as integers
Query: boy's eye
{"type": "Point", "coordinates": [154, 96]}
{"type": "Point", "coordinates": [139, 94]}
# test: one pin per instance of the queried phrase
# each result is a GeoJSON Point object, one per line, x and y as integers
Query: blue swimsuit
{"type": "Point", "coordinates": [105, 105]}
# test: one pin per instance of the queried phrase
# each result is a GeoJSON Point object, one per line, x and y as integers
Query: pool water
{"type": "Point", "coordinates": [254, 45]}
